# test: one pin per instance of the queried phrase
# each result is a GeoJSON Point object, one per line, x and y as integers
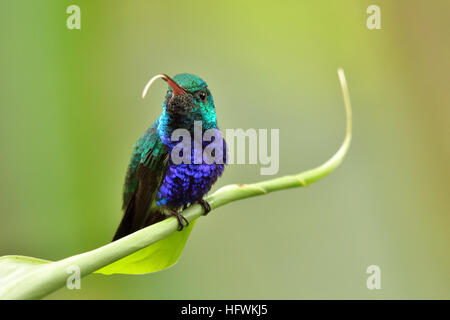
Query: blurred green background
{"type": "Point", "coordinates": [71, 109]}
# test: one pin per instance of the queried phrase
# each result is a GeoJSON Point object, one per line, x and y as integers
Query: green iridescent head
{"type": "Point", "coordinates": [191, 101]}
{"type": "Point", "coordinates": [188, 99]}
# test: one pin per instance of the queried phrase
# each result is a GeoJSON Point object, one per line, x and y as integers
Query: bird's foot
{"type": "Point", "coordinates": [205, 205]}
{"type": "Point", "coordinates": [181, 220]}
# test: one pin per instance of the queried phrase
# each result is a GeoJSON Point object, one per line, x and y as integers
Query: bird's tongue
{"type": "Point", "coordinates": [176, 89]}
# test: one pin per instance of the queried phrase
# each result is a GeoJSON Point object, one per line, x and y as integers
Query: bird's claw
{"type": "Point", "coordinates": [205, 205]}
{"type": "Point", "coordinates": [180, 219]}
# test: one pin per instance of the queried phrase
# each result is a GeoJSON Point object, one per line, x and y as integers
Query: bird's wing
{"type": "Point", "coordinates": [145, 173]}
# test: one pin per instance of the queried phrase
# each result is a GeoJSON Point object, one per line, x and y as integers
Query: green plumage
{"type": "Point", "coordinates": [150, 142]}
{"type": "Point", "coordinates": [144, 175]}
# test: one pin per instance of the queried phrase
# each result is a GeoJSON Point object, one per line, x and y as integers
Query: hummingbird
{"type": "Point", "coordinates": [156, 186]}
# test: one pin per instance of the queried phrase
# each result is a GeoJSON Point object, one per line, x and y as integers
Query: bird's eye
{"type": "Point", "coordinates": [202, 95]}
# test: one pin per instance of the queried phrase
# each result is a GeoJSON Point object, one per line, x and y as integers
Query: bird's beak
{"type": "Point", "coordinates": [176, 89]}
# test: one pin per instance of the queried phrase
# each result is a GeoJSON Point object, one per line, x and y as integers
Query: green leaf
{"type": "Point", "coordinates": [15, 267]}
{"type": "Point", "coordinates": [156, 257]}
{"type": "Point", "coordinates": [31, 278]}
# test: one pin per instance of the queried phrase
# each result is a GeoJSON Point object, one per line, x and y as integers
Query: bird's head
{"type": "Point", "coordinates": [188, 99]}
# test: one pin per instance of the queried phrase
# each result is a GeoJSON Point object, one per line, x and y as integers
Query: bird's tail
{"type": "Point", "coordinates": [126, 225]}
{"type": "Point", "coordinates": [135, 219]}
